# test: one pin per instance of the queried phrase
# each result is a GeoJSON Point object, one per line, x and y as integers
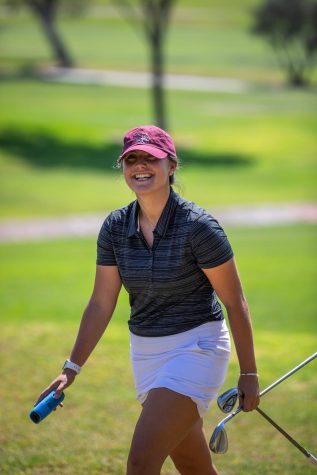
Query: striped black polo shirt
{"type": "Point", "coordinates": [168, 291]}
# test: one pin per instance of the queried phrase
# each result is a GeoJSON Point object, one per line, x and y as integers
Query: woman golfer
{"type": "Point", "coordinates": [175, 262]}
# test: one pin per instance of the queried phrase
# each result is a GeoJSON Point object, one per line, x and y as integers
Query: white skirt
{"type": "Point", "coordinates": [193, 363]}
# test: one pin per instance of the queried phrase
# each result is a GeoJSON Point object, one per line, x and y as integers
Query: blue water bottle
{"type": "Point", "coordinates": [45, 407]}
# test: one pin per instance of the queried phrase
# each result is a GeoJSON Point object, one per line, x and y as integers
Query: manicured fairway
{"type": "Point", "coordinates": [44, 287]}
{"type": "Point", "coordinates": [59, 143]}
{"type": "Point", "coordinates": [207, 38]}
{"type": "Point", "coordinates": [58, 146]}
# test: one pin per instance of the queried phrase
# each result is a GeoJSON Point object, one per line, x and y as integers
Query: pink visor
{"type": "Point", "coordinates": [155, 152]}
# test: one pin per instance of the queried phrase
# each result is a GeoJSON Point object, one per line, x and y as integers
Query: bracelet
{"type": "Point", "coordinates": [73, 366]}
{"type": "Point", "coordinates": [249, 374]}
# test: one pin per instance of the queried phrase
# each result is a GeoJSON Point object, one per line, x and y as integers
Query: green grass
{"type": "Point", "coordinates": [212, 39]}
{"type": "Point", "coordinates": [58, 144]}
{"type": "Point", "coordinates": [43, 288]}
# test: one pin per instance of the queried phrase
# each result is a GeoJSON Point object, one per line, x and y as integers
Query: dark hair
{"type": "Point", "coordinates": [172, 177]}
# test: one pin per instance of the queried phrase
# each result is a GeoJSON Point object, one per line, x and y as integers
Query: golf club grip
{"type": "Point", "coordinates": [282, 431]}
{"type": "Point", "coordinates": [287, 375]}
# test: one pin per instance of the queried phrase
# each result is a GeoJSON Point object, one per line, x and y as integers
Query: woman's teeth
{"type": "Point", "coordinates": [142, 177]}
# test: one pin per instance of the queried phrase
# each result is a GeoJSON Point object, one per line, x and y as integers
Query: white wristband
{"type": "Point", "coordinates": [249, 374]}
{"type": "Point", "coordinates": [70, 365]}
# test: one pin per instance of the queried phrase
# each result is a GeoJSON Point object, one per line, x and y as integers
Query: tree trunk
{"type": "Point", "coordinates": [155, 16]}
{"type": "Point", "coordinates": [158, 92]}
{"type": "Point", "coordinates": [45, 11]}
{"type": "Point", "coordinates": [296, 78]}
{"type": "Point", "coordinates": [59, 49]}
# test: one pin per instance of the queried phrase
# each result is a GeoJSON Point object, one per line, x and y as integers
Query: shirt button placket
{"type": "Point", "coordinates": [152, 260]}
{"type": "Point", "coordinates": [151, 268]}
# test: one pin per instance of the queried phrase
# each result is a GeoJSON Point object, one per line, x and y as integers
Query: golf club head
{"type": "Point", "coordinates": [219, 440]}
{"type": "Point", "coordinates": [228, 399]}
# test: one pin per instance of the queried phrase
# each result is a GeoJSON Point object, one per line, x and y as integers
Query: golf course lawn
{"type": "Point", "coordinates": [58, 147]}
{"type": "Point", "coordinates": [44, 287]}
{"type": "Point", "coordinates": [254, 147]}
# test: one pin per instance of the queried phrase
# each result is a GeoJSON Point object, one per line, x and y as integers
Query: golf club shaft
{"type": "Point", "coordinates": [287, 375]}
{"type": "Point", "coordinates": [282, 431]}
{"type": "Point", "coordinates": [230, 416]}
{"type": "Point", "coordinates": [273, 385]}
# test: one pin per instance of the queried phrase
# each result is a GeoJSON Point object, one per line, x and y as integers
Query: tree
{"type": "Point", "coordinates": [291, 28]}
{"type": "Point", "coordinates": [155, 15]}
{"type": "Point", "coordinates": [46, 12]}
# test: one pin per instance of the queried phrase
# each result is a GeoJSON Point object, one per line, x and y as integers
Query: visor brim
{"type": "Point", "coordinates": [150, 149]}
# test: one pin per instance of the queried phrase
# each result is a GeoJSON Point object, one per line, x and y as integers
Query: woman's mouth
{"type": "Point", "coordinates": [142, 176]}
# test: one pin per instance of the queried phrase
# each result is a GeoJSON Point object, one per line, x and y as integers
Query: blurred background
{"type": "Point", "coordinates": [235, 84]}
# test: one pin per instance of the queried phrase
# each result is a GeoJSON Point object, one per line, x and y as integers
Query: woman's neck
{"type": "Point", "coordinates": [151, 206]}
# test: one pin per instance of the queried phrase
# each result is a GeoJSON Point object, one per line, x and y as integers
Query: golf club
{"type": "Point", "coordinates": [219, 441]}
{"type": "Point", "coordinates": [227, 400]}
{"type": "Point", "coordinates": [226, 403]}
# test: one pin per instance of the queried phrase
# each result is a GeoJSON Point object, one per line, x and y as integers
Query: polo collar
{"type": "Point", "coordinates": [163, 221]}
{"type": "Point", "coordinates": [167, 212]}
{"type": "Point", "coordinates": [133, 220]}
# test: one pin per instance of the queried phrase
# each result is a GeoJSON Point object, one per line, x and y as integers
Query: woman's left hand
{"type": "Point", "coordinates": [249, 392]}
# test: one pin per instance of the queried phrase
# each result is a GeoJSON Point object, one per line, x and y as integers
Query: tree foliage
{"type": "Point", "coordinates": [291, 28]}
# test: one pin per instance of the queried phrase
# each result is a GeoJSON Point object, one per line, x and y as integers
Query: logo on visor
{"type": "Point", "coordinates": [141, 138]}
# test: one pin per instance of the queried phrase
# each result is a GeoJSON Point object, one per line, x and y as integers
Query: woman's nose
{"type": "Point", "coordinates": [141, 161]}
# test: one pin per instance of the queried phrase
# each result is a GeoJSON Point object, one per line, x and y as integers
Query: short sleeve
{"type": "Point", "coordinates": [209, 242]}
{"type": "Point", "coordinates": [105, 251]}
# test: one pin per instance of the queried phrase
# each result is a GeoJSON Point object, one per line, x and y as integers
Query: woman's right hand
{"type": "Point", "coordinates": [65, 379]}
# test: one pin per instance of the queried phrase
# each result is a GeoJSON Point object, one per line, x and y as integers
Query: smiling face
{"type": "Point", "coordinates": [144, 173]}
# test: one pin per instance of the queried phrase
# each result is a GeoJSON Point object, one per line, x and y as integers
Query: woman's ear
{"type": "Point", "coordinates": [173, 167]}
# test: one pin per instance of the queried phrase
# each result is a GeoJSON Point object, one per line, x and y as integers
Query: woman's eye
{"type": "Point", "coordinates": [130, 160]}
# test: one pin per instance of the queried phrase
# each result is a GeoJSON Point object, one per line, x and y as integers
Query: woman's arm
{"type": "Point", "coordinates": [98, 312]}
{"type": "Point", "coordinates": [95, 320]}
{"type": "Point", "coordinates": [226, 283]}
